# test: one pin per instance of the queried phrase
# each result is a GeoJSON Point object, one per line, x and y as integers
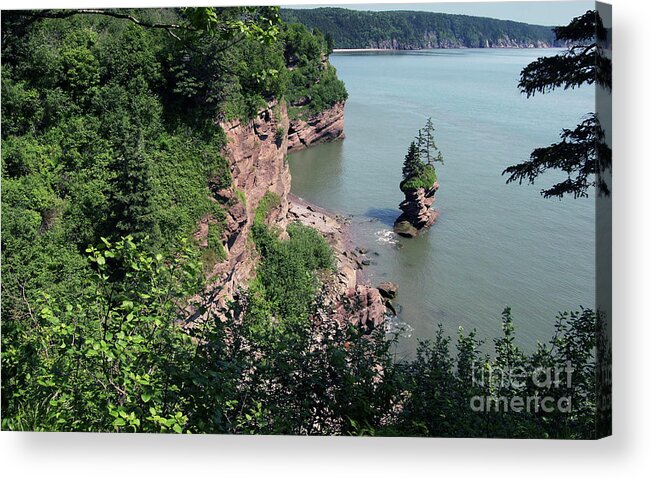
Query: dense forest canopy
{"type": "Point", "coordinates": [109, 129]}
{"type": "Point", "coordinates": [415, 30]}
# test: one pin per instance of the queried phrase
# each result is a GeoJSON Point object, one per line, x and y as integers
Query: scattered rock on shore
{"type": "Point", "coordinates": [388, 289]}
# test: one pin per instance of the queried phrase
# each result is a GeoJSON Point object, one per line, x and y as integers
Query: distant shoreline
{"type": "Point", "coordinates": [359, 50]}
{"type": "Point", "coordinates": [353, 50]}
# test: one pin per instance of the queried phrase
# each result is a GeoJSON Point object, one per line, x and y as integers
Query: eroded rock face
{"type": "Point", "coordinates": [417, 212]}
{"type": "Point", "coordinates": [320, 128]}
{"type": "Point", "coordinates": [256, 154]}
{"type": "Point", "coordinates": [362, 307]}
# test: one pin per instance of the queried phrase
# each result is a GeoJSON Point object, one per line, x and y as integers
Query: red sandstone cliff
{"type": "Point", "coordinates": [256, 151]}
{"type": "Point", "coordinates": [322, 127]}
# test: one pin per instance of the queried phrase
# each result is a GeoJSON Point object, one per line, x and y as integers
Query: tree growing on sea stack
{"type": "Point", "coordinates": [419, 184]}
{"type": "Point", "coordinates": [413, 165]}
{"type": "Point", "coordinates": [426, 145]}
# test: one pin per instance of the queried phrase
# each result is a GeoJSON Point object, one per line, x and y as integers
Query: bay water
{"type": "Point", "coordinates": [494, 245]}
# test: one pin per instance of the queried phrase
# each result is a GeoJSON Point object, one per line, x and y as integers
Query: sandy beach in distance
{"type": "Point", "coordinates": [353, 50]}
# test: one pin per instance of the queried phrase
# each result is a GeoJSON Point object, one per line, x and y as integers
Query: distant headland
{"type": "Point", "coordinates": [410, 30]}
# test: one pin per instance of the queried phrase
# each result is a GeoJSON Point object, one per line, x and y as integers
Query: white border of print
{"type": "Point", "coordinates": [72, 455]}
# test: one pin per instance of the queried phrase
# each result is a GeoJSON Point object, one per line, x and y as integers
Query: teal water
{"type": "Point", "coordinates": [494, 244]}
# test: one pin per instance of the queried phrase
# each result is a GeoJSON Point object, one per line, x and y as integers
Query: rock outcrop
{"type": "Point", "coordinates": [417, 212]}
{"type": "Point", "coordinates": [346, 296]}
{"type": "Point", "coordinates": [432, 41]}
{"type": "Point", "coordinates": [322, 127]}
{"type": "Point", "coordinates": [256, 152]}
{"type": "Point", "coordinates": [388, 289]}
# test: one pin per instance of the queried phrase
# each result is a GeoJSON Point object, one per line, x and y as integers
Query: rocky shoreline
{"type": "Point", "coordinates": [394, 45]}
{"type": "Point", "coordinates": [348, 298]}
{"type": "Point", "coordinates": [320, 128]}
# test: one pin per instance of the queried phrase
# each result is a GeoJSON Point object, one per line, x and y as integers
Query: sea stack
{"type": "Point", "coordinates": [417, 213]}
{"type": "Point", "coordinates": [419, 184]}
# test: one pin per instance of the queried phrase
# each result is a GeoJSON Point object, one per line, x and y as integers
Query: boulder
{"type": "Point", "coordinates": [390, 309]}
{"type": "Point", "coordinates": [388, 289]}
{"type": "Point", "coordinates": [405, 228]}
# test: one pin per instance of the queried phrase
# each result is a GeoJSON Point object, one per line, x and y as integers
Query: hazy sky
{"type": "Point", "coordinates": [540, 13]}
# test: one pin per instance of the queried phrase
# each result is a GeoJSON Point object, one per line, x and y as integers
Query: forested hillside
{"type": "Point", "coordinates": [405, 30]}
{"type": "Point", "coordinates": [110, 137]}
{"type": "Point", "coordinates": [109, 129]}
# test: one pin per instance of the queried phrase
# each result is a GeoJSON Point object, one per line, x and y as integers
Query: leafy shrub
{"type": "Point", "coordinates": [267, 204]}
{"type": "Point", "coordinates": [310, 247]}
{"type": "Point", "coordinates": [286, 285]}
{"type": "Point", "coordinates": [123, 374]}
{"type": "Point", "coordinates": [279, 135]}
{"type": "Point", "coordinates": [214, 252]}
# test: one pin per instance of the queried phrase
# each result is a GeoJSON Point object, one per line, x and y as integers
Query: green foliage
{"type": "Point", "coordinates": [320, 379]}
{"type": "Point", "coordinates": [412, 165]}
{"type": "Point", "coordinates": [100, 139]}
{"type": "Point", "coordinates": [108, 132]}
{"type": "Point", "coordinates": [257, 23]}
{"type": "Point", "coordinates": [426, 145]}
{"type": "Point", "coordinates": [414, 30]}
{"type": "Point", "coordinates": [286, 283]}
{"type": "Point", "coordinates": [582, 154]}
{"type": "Point", "coordinates": [241, 196]}
{"type": "Point", "coordinates": [133, 191]}
{"type": "Point", "coordinates": [418, 168]}
{"type": "Point", "coordinates": [279, 135]}
{"type": "Point", "coordinates": [309, 246]}
{"type": "Point", "coordinates": [313, 85]}
{"type": "Point", "coordinates": [285, 287]}
{"type": "Point", "coordinates": [214, 237]}
{"type": "Point", "coordinates": [214, 252]}
{"type": "Point", "coordinates": [24, 103]}
{"type": "Point", "coordinates": [107, 361]}
{"type": "Point", "coordinates": [584, 63]}
{"type": "Point", "coordinates": [117, 359]}
{"type": "Point", "coordinates": [267, 204]}
{"type": "Point", "coordinates": [424, 179]}
{"type": "Point", "coordinates": [443, 386]}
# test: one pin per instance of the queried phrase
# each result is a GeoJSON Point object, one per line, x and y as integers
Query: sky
{"type": "Point", "coordinates": [539, 13]}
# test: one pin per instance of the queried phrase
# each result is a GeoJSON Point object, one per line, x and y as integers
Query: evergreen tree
{"type": "Point", "coordinates": [413, 165]}
{"type": "Point", "coordinates": [426, 145]}
{"type": "Point", "coordinates": [133, 205]}
{"type": "Point", "coordinates": [582, 153]}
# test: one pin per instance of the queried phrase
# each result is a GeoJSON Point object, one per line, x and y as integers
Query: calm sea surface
{"type": "Point", "coordinates": [494, 244]}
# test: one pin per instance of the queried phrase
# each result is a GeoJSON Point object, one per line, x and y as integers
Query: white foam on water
{"type": "Point", "coordinates": [386, 237]}
{"type": "Point", "coordinates": [394, 325]}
